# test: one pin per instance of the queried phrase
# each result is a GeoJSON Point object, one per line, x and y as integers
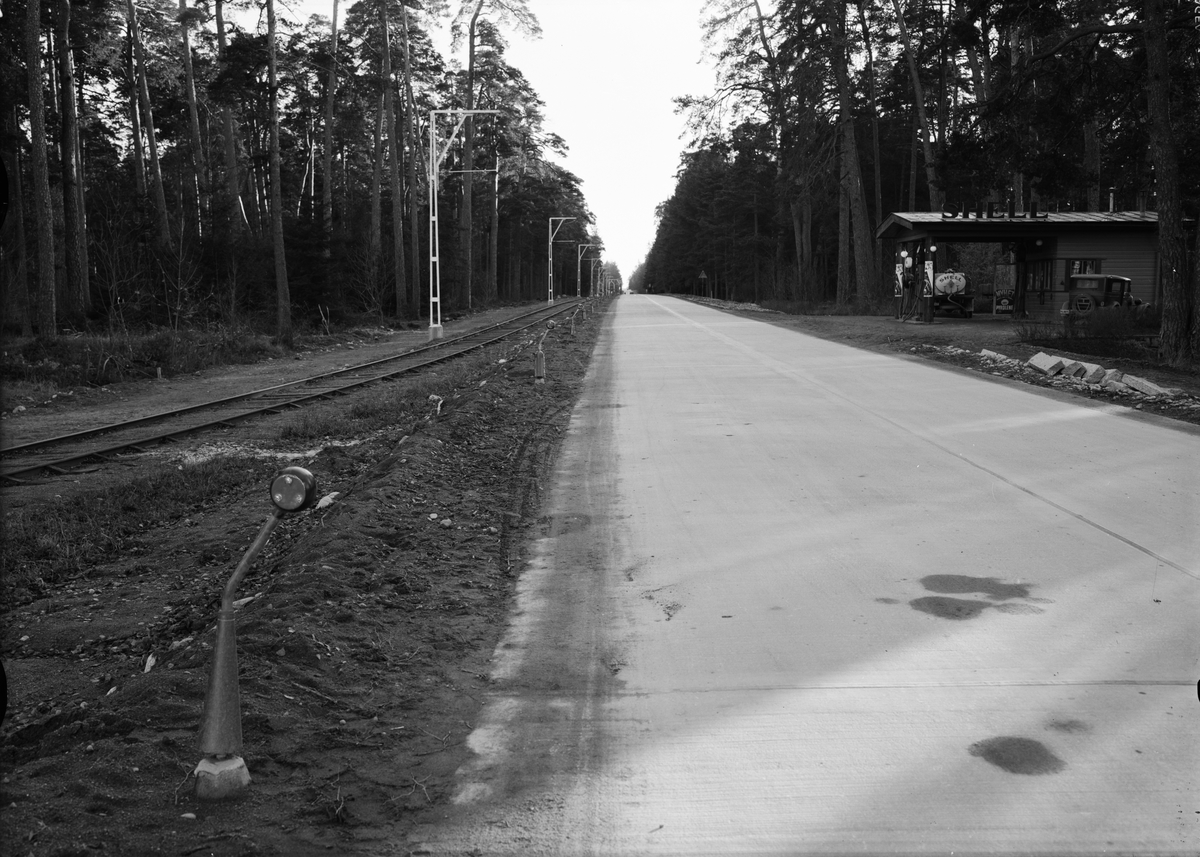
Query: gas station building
{"type": "Point", "coordinates": [1041, 249]}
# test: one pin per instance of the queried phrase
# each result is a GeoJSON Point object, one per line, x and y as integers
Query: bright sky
{"type": "Point", "coordinates": [607, 72]}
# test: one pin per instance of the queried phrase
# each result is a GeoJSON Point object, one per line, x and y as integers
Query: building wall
{"type": "Point", "coordinates": [1134, 256]}
{"type": "Point", "coordinates": [1124, 255]}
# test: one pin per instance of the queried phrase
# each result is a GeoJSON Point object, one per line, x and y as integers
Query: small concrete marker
{"type": "Point", "coordinates": [1045, 363]}
{"type": "Point", "coordinates": [218, 779]}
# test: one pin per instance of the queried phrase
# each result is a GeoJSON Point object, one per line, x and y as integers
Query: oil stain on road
{"type": "Point", "coordinates": [959, 609]}
{"type": "Point", "coordinates": [1018, 755]}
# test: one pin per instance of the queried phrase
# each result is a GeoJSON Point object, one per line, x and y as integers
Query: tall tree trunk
{"type": "Point", "coordinates": [414, 202]}
{"type": "Point", "coordinates": [199, 182]}
{"type": "Point", "coordinates": [795, 207]}
{"type": "Point", "coordinates": [233, 185]}
{"type": "Point", "coordinates": [1178, 332]}
{"type": "Point", "coordinates": [876, 160]}
{"type": "Point", "coordinates": [756, 259]}
{"type": "Point", "coordinates": [926, 132]}
{"type": "Point", "coordinates": [157, 191]}
{"type": "Point", "coordinates": [374, 238]}
{"type": "Point", "coordinates": [12, 236]}
{"type": "Point", "coordinates": [139, 154]}
{"type": "Point", "coordinates": [806, 247]}
{"type": "Point", "coordinates": [979, 84]}
{"type": "Point", "coordinates": [327, 152]}
{"type": "Point", "coordinates": [912, 164]}
{"type": "Point", "coordinates": [865, 276]}
{"type": "Point", "coordinates": [1195, 293]}
{"type": "Point", "coordinates": [465, 214]}
{"type": "Point", "coordinates": [80, 187]}
{"type": "Point", "coordinates": [844, 290]}
{"type": "Point", "coordinates": [1091, 163]}
{"type": "Point", "coordinates": [77, 292]}
{"type": "Point", "coordinates": [283, 300]}
{"type": "Point", "coordinates": [47, 314]}
{"type": "Point", "coordinates": [389, 111]}
{"type": "Point", "coordinates": [777, 115]}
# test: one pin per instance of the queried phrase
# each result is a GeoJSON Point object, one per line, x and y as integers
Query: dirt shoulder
{"type": "Point", "coordinates": [364, 644]}
{"type": "Point", "coordinates": [956, 342]}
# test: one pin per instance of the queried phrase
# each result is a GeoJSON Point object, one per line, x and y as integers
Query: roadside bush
{"type": "Point", "coordinates": [880, 307]}
{"type": "Point", "coordinates": [99, 359]}
{"type": "Point", "coordinates": [1106, 332]}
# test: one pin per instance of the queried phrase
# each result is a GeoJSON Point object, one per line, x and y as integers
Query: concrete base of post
{"type": "Point", "coordinates": [221, 779]}
{"type": "Point", "coordinates": [539, 367]}
{"type": "Point", "coordinates": [436, 332]}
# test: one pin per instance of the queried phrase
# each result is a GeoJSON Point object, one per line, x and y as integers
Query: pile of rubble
{"type": "Point", "coordinates": [1065, 371]}
{"type": "Point", "coordinates": [1091, 374]}
{"type": "Point", "coordinates": [1077, 376]}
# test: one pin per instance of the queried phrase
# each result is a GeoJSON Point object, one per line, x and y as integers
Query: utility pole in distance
{"type": "Point", "coordinates": [552, 230]}
{"type": "Point", "coordinates": [578, 264]}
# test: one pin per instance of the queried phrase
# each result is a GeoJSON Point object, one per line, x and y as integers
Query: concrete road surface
{"type": "Point", "coordinates": [798, 598]}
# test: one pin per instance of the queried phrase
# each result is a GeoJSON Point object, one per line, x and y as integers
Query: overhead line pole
{"type": "Point", "coordinates": [552, 230]}
{"type": "Point", "coordinates": [592, 280]}
{"type": "Point", "coordinates": [437, 154]}
{"type": "Point", "coordinates": [579, 251]}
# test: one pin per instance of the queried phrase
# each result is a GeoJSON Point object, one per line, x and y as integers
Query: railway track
{"type": "Point", "coordinates": [62, 454]}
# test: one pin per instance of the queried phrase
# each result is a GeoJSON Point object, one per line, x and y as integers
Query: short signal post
{"type": "Point", "coordinates": [222, 773]}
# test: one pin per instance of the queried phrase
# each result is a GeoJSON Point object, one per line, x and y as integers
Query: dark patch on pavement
{"type": "Point", "coordinates": [949, 608]}
{"type": "Point", "coordinates": [1027, 609]}
{"type": "Point", "coordinates": [888, 600]}
{"type": "Point", "coordinates": [1069, 725]}
{"type": "Point", "coordinates": [1018, 755]}
{"type": "Point", "coordinates": [566, 524]}
{"type": "Point", "coordinates": [960, 583]}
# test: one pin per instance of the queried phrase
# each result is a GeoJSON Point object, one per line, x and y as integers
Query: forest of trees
{"type": "Point", "coordinates": [181, 163]}
{"type": "Point", "coordinates": [830, 114]}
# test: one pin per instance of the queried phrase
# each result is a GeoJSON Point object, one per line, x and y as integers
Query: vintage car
{"type": "Point", "coordinates": [1086, 292]}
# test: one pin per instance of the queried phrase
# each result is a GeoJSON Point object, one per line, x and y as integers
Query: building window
{"type": "Point", "coordinates": [1083, 266]}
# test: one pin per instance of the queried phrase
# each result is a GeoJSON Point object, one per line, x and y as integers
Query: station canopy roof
{"type": "Point", "coordinates": [937, 226]}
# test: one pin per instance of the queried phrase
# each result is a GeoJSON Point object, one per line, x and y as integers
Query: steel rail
{"type": "Point", "coordinates": [175, 412]}
{"type": "Point", "coordinates": [445, 349]}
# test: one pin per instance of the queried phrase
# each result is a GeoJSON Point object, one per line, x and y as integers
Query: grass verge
{"type": "Point", "coordinates": [45, 544]}
{"type": "Point", "coordinates": [395, 402]}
